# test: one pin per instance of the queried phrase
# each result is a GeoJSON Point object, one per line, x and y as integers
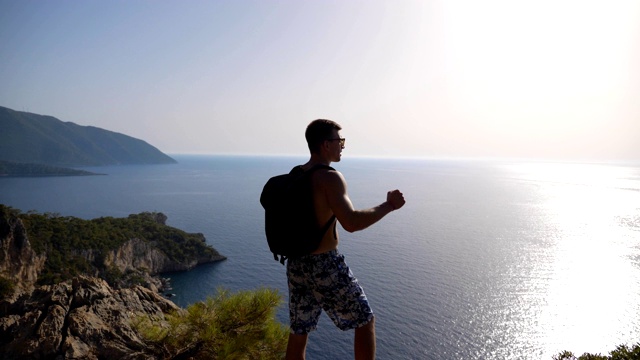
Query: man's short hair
{"type": "Point", "coordinates": [318, 131]}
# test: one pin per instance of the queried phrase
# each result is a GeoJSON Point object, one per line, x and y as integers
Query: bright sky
{"type": "Point", "coordinates": [539, 79]}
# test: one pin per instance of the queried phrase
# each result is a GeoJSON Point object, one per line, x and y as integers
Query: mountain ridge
{"type": "Point", "coordinates": [32, 138]}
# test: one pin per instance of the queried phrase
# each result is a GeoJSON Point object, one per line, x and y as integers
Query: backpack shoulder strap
{"type": "Point", "coordinates": [326, 226]}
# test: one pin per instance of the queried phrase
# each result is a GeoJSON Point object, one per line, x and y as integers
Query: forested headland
{"type": "Point", "coordinates": [119, 250]}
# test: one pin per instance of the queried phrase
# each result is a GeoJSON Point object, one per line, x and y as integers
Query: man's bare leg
{"type": "Point", "coordinates": [365, 341]}
{"type": "Point", "coordinates": [297, 347]}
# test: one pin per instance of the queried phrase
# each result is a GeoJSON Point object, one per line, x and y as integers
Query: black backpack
{"type": "Point", "coordinates": [290, 219]}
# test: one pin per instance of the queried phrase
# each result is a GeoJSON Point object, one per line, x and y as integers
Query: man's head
{"type": "Point", "coordinates": [319, 131]}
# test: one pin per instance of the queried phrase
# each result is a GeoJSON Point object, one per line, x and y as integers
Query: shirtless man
{"type": "Point", "coordinates": [322, 280]}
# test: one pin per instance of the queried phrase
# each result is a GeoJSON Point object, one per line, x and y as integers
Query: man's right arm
{"type": "Point", "coordinates": [335, 189]}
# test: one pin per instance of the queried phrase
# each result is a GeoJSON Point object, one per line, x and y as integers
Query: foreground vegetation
{"type": "Point", "coordinates": [243, 326]}
{"type": "Point", "coordinates": [622, 352]}
{"type": "Point", "coordinates": [227, 326]}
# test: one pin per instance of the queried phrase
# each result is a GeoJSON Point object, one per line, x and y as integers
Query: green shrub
{"type": "Point", "coordinates": [622, 352]}
{"type": "Point", "coordinates": [112, 275]}
{"type": "Point", "coordinates": [227, 326]}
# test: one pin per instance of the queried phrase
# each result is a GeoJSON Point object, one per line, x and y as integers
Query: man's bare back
{"type": "Point", "coordinates": [323, 210]}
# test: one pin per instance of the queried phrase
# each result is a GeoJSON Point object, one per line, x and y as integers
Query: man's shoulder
{"type": "Point", "coordinates": [328, 178]}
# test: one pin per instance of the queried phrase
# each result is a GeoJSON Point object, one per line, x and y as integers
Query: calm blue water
{"type": "Point", "coordinates": [487, 260]}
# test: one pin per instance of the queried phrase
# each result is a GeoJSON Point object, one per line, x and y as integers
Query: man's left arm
{"type": "Point", "coordinates": [350, 218]}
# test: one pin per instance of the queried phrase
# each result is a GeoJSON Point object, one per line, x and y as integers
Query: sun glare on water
{"type": "Point", "coordinates": [592, 277]}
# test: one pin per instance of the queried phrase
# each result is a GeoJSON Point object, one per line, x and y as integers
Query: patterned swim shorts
{"type": "Point", "coordinates": [325, 282]}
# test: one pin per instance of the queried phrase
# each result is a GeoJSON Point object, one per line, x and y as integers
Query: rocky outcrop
{"type": "Point", "coordinates": [82, 318]}
{"type": "Point", "coordinates": [138, 254]}
{"type": "Point", "coordinates": [85, 317]}
{"type": "Point", "coordinates": [135, 261]}
{"type": "Point", "coordinates": [18, 261]}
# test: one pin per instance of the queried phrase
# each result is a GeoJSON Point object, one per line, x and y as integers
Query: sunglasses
{"type": "Point", "coordinates": [342, 140]}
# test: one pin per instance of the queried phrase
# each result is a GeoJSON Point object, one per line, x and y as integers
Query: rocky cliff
{"type": "Point", "coordinates": [139, 254]}
{"type": "Point", "coordinates": [18, 261]}
{"type": "Point", "coordinates": [82, 318]}
{"type": "Point", "coordinates": [47, 249]}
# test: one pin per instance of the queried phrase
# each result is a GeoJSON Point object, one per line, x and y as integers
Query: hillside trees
{"type": "Point", "coordinates": [76, 246]}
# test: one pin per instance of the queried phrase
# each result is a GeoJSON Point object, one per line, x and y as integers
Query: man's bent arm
{"type": "Point", "coordinates": [351, 219]}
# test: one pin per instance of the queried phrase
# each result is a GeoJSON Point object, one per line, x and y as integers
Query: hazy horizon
{"type": "Point", "coordinates": [555, 80]}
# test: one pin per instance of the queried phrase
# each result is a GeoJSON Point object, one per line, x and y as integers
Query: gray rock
{"type": "Point", "coordinates": [18, 261]}
{"type": "Point", "coordinates": [82, 318]}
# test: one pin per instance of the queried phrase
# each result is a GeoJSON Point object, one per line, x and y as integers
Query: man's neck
{"type": "Point", "coordinates": [317, 159]}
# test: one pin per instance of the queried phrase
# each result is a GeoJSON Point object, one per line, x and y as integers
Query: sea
{"type": "Point", "coordinates": [488, 259]}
